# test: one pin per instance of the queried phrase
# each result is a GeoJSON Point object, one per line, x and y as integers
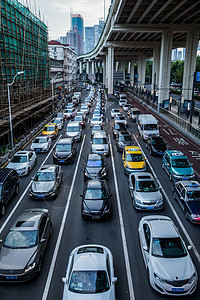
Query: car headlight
{"type": "Point", "coordinates": [195, 216]}
{"type": "Point", "coordinates": [45, 147]}
{"type": "Point", "coordinates": [30, 267]}
{"type": "Point", "coordinates": [160, 200]}
{"type": "Point", "coordinates": [158, 277]}
{"type": "Point", "coordinates": [192, 278]}
{"type": "Point", "coordinates": [32, 148]}
{"type": "Point", "coordinates": [22, 169]}
{"type": "Point", "coordinates": [138, 201]}
{"type": "Point", "coordinates": [103, 172]}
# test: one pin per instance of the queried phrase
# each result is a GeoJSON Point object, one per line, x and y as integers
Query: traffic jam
{"type": "Point", "coordinates": [104, 203]}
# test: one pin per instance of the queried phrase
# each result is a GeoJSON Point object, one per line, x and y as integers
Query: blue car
{"type": "Point", "coordinates": [187, 193]}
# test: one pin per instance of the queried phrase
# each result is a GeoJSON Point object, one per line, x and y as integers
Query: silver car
{"type": "Point", "coordinates": [41, 144]}
{"type": "Point", "coordinates": [100, 144]}
{"type": "Point", "coordinates": [144, 191]}
{"type": "Point", "coordinates": [170, 269]}
{"type": "Point", "coordinates": [74, 130]}
{"type": "Point", "coordinates": [23, 162]}
{"type": "Point", "coordinates": [90, 274]}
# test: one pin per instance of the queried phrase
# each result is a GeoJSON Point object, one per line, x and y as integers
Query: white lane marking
{"type": "Point", "coordinates": [106, 120]}
{"type": "Point", "coordinates": [123, 235]}
{"type": "Point", "coordinates": [88, 121]}
{"type": "Point", "coordinates": [52, 266]}
{"type": "Point", "coordinates": [22, 196]}
{"type": "Point", "coordinates": [172, 208]}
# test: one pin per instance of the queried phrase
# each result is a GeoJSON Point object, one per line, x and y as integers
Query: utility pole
{"type": "Point", "coordinates": [192, 102]}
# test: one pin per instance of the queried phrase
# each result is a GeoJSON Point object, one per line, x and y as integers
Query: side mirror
{"type": "Point", "coordinates": [1, 241]}
{"type": "Point", "coordinates": [189, 247]}
{"type": "Point", "coordinates": [32, 178]}
{"type": "Point", "coordinates": [114, 279]}
{"type": "Point", "coordinates": [145, 248]}
{"type": "Point", "coordinates": [81, 195]}
{"type": "Point", "coordinates": [90, 142]}
{"type": "Point", "coordinates": [43, 240]}
{"type": "Point", "coordinates": [64, 280]}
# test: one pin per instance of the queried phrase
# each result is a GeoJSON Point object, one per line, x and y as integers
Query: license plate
{"type": "Point", "coordinates": [38, 149]}
{"type": "Point", "coordinates": [185, 178]}
{"type": "Point", "coordinates": [177, 290]}
{"type": "Point", "coordinates": [150, 207]}
{"type": "Point", "coordinates": [62, 161]}
{"type": "Point", "coordinates": [40, 196]}
{"type": "Point", "coordinates": [95, 217]}
{"type": "Point", "coordinates": [11, 277]}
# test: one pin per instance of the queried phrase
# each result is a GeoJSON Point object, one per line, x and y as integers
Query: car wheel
{"type": "Point", "coordinates": [50, 230]}
{"type": "Point", "coordinates": [3, 210]}
{"type": "Point", "coordinates": [39, 266]}
{"type": "Point", "coordinates": [186, 214]}
{"type": "Point", "coordinates": [28, 171]}
{"type": "Point", "coordinates": [17, 189]}
{"type": "Point", "coordinates": [35, 162]}
{"type": "Point", "coordinates": [148, 277]}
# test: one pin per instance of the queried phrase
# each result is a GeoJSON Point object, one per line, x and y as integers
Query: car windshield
{"type": "Point", "coordinates": [49, 128]}
{"type": "Point", "coordinates": [78, 118]}
{"type": "Point", "coordinates": [94, 163]}
{"type": "Point", "coordinates": [96, 128]}
{"type": "Point", "coordinates": [168, 247]}
{"type": "Point", "coordinates": [146, 186]}
{"type": "Point", "coordinates": [21, 239]}
{"type": "Point", "coordinates": [89, 282]}
{"type": "Point", "coordinates": [44, 176]}
{"type": "Point", "coordinates": [157, 141]}
{"type": "Point", "coordinates": [192, 196]}
{"type": "Point", "coordinates": [96, 119]}
{"type": "Point", "coordinates": [19, 159]}
{"type": "Point", "coordinates": [97, 141]}
{"type": "Point", "coordinates": [150, 127]}
{"type": "Point", "coordinates": [57, 121]}
{"type": "Point", "coordinates": [63, 148]}
{"type": "Point", "coordinates": [72, 128]}
{"type": "Point", "coordinates": [131, 157]}
{"type": "Point", "coordinates": [126, 138]}
{"type": "Point", "coordinates": [40, 140]}
{"type": "Point", "coordinates": [180, 163]}
{"type": "Point", "coordinates": [95, 194]}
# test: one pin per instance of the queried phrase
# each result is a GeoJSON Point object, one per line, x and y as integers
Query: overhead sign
{"type": "Point", "coordinates": [118, 75]}
{"type": "Point", "coordinates": [198, 77]}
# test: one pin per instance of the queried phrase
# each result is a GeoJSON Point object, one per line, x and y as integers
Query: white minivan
{"type": "Point", "coordinates": [147, 126]}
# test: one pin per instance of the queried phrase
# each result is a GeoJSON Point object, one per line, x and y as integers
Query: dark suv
{"type": "Point", "coordinates": [9, 186]}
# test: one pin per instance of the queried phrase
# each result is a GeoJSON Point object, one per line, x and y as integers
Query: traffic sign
{"type": "Point", "coordinates": [198, 77]}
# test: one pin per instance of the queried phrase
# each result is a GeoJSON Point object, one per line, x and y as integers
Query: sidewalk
{"type": "Point", "coordinates": [195, 119]}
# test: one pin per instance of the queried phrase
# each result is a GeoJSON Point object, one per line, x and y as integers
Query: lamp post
{"type": "Point", "coordinates": [52, 81]}
{"type": "Point", "coordinates": [10, 113]}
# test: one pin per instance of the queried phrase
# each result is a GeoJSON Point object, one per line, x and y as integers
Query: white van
{"type": "Point", "coordinates": [122, 99]}
{"type": "Point", "coordinates": [147, 126]}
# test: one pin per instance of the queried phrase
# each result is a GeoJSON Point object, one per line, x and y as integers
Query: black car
{"type": "Point", "coordinates": [187, 193]}
{"type": "Point", "coordinates": [118, 127]}
{"type": "Point", "coordinates": [95, 167]}
{"type": "Point", "coordinates": [156, 145]}
{"type": "Point", "coordinates": [96, 200]}
{"type": "Point", "coordinates": [9, 186]}
{"type": "Point", "coordinates": [23, 248]}
{"type": "Point", "coordinates": [64, 151]}
{"type": "Point", "coordinates": [46, 182]}
{"type": "Point", "coordinates": [123, 139]}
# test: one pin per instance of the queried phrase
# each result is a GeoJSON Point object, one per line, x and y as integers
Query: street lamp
{"type": "Point", "coordinates": [10, 114]}
{"type": "Point", "coordinates": [52, 80]}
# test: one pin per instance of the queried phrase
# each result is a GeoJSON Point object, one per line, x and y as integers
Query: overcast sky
{"type": "Point", "coordinates": [57, 13]}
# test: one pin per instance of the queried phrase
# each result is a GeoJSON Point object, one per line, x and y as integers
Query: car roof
{"type": "Point", "coordinates": [23, 153]}
{"type": "Point", "coordinates": [73, 123]}
{"type": "Point", "coordinates": [90, 261]}
{"type": "Point", "coordinates": [65, 141]}
{"type": "Point", "coordinates": [162, 226]}
{"type": "Point", "coordinates": [99, 134]}
{"type": "Point", "coordinates": [95, 156]}
{"type": "Point", "coordinates": [176, 154]}
{"type": "Point", "coordinates": [142, 175]}
{"type": "Point", "coordinates": [93, 184]}
{"type": "Point", "coordinates": [191, 185]}
{"type": "Point", "coordinates": [133, 149]}
{"type": "Point", "coordinates": [47, 168]}
{"type": "Point", "coordinates": [29, 219]}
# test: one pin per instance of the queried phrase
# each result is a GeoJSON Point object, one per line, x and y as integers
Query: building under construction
{"type": "Point", "coordinates": [24, 47]}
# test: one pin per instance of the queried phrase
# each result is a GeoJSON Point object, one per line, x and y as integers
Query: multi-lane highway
{"type": "Point", "coordinates": [119, 234]}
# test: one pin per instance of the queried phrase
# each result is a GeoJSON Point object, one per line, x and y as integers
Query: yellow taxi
{"type": "Point", "coordinates": [133, 159]}
{"type": "Point", "coordinates": [51, 130]}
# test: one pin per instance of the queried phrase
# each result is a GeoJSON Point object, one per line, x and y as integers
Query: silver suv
{"type": "Point", "coordinates": [100, 144]}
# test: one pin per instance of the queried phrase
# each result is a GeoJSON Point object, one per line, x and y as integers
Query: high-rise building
{"type": "Point", "coordinates": [74, 39]}
{"type": "Point", "coordinates": [77, 21]}
{"type": "Point", "coordinates": [89, 39]}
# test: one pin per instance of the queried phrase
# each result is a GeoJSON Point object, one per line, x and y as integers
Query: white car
{"type": "Point", "coordinates": [96, 121]}
{"type": "Point", "coordinates": [114, 112]}
{"type": "Point", "coordinates": [126, 107]}
{"type": "Point", "coordinates": [69, 113]}
{"type": "Point", "coordinates": [170, 269]}
{"type": "Point", "coordinates": [23, 162]}
{"type": "Point", "coordinates": [59, 122]}
{"type": "Point", "coordinates": [41, 144]}
{"type": "Point", "coordinates": [90, 274]}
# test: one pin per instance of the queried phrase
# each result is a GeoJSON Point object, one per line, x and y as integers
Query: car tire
{"type": "Point", "coordinates": [35, 162]}
{"type": "Point", "coordinates": [3, 210]}
{"type": "Point", "coordinates": [50, 230]}
{"type": "Point", "coordinates": [28, 171]}
{"type": "Point", "coordinates": [148, 277]}
{"type": "Point", "coordinates": [17, 189]}
{"type": "Point", "coordinates": [186, 215]}
{"type": "Point", "coordinates": [39, 268]}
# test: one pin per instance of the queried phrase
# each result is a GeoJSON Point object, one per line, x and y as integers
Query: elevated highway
{"type": "Point", "coordinates": [136, 30]}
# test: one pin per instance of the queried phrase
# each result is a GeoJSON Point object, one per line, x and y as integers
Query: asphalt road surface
{"type": "Point", "coordinates": [119, 234]}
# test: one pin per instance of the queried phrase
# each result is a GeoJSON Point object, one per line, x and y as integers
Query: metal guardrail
{"type": "Point", "coordinates": [185, 125]}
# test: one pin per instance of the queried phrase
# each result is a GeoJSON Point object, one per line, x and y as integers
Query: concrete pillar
{"type": "Point", "coordinates": [93, 72]}
{"type": "Point", "coordinates": [132, 74]}
{"type": "Point", "coordinates": [106, 85]}
{"type": "Point", "coordinates": [141, 70]}
{"type": "Point", "coordinates": [165, 67]}
{"type": "Point", "coordinates": [129, 68]}
{"type": "Point", "coordinates": [100, 67]}
{"type": "Point", "coordinates": [110, 71]}
{"type": "Point", "coordinates": [80, 67]}
{"type": "Point", "coordinates": [155, 67]}
{"type": "Point", "coordinates": [190, 65]}
{"type": "Point", "coordinates": [122, 67]}
{"type": "Point", "coordinates": [104, 72]}
{"type": "Point", "coordinates": [87, 67]}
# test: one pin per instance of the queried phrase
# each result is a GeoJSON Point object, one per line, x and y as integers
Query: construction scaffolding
{"type": "Point", "coordinates": [24, 47]}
